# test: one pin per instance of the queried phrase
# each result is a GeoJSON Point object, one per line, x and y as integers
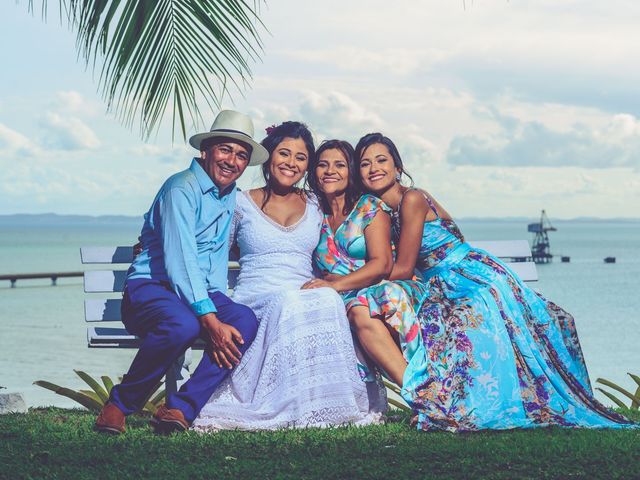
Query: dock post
{"type": "Point", "coordinates": [53, 281]}
{"type": "Point", "coordinates": [13, 282]}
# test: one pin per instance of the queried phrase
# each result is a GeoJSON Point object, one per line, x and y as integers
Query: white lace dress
{"type": "Point", "coordinates": [301, 370]}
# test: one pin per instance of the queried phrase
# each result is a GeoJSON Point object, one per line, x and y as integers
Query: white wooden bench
{"type": "Point", "coordinates": [104, 288]}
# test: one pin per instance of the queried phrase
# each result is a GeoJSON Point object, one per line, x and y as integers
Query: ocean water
{"type": "Point", "coordinates": [43, 333]}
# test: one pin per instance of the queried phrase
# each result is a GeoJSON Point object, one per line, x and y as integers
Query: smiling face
{"type": "Point", "coordinates": [288, 162]}
{"type": "Point", "coordinates": [332, 171]}
{"type": "Point", "coordinates": [377, 168]}
{"type": "Point", "coordinates": [224, 162]}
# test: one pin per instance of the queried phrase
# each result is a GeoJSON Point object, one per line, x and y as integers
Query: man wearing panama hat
{"type": "Point", "coordinates": [175, 287]}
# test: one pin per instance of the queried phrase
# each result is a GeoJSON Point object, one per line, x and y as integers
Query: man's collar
{"type": "Point", "coordinates": [204, 180]}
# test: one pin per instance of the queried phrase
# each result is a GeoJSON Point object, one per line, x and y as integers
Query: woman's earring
{"type": "Point", "coordinates": [398, 177]}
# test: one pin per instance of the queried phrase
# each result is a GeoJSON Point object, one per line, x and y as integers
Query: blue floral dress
{"type": "Point", "coordinates": [345, 251]}
{"type": "Point", "coordinates": [490, 353]}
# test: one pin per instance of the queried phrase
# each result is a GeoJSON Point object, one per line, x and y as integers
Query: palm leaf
{"type": "Point", "coordinates": [95, 386]}
{"type": "Point", "coordinates": [78, 397]}
{"type": "Point", "coordinates": [158, 55]}
{"type": "Point", "coordinates": [612, 397]}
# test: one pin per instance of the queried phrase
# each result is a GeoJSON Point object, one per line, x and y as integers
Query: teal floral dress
{"type": "Point", "coordinates": [488, 351]}
{"type": "Point", "coordinates": [345, 251]}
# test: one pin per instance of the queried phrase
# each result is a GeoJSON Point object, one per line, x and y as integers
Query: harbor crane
{"type": "Point", "coordinates": [541, 250]}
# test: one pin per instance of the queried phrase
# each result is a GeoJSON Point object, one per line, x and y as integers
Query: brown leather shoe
{"type": "Point", "coordinates": [168, 420]}
{"type": "Point", "coordinates": [110, 420]}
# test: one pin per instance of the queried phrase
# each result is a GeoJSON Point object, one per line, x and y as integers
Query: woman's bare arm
{"type": "Point", "coordinates": [379, 259]}
{"type": "Point", "coordinates": [413, 212]}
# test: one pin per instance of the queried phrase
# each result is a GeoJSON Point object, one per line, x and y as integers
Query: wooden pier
{"type": "Point", "coordinates": [54, 276]}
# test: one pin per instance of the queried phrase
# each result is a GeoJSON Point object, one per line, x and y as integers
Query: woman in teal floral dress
{"type": "Point", "coordinates": [486, 351]}
{"type": "Point", "coordinates": [354, 255]}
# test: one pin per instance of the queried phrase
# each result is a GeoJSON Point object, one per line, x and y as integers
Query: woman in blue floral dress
{"type": "Point", "coordinates": [487, 352]}
{"type": "Point", "coordinates": [354, 256]}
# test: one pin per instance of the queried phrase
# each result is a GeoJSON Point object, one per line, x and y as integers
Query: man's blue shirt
{"type": "Point", "coordinates": [185, 238]}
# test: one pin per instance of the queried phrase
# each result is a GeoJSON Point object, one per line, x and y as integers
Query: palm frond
{"type": "Point", "coordinates": [158, 55]}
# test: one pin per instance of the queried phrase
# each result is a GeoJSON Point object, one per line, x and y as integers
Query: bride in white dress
{"type": "Point", "coordinates": [301, 370]}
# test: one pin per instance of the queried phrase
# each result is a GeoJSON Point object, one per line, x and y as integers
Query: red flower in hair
{"type": "Point", "coordinates": [270, 129]}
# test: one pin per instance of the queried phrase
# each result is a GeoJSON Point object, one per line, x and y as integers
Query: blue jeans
{"type": "Point", "coordinates": [151, 310]}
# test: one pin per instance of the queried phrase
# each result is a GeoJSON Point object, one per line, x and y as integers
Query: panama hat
{"type": "Point", "coordinates": [237, 126]}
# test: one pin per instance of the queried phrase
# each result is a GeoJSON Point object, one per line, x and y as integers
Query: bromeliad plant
{"type": "Point", "coordinates": [395, 403]}
{"type": "Point", "coordinates": [634, 397]}
{"type": "Point", "coordinates": [95, 398]}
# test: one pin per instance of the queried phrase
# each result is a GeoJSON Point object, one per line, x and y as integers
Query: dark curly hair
{"type": "Point", "coordinates": [371, 139]}
{"type": "Point", "coordinates": [275, 136]}
{"type": "Point", "coordinates": [354, 190]}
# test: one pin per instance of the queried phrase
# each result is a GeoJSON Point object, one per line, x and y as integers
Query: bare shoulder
{"type": "Point", "coordinates": [413, 201]}
{"type": "Point", "coordinates": [257, 195]}
{"type": "Point", "coordinates": [433, 203]}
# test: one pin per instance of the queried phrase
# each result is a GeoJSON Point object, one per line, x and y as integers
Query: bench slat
{"type": "Point", "coordinates": [525, 270]}
{"type": "Point", "coordinates": [505, 248]}
{"type": "Point", "coordinates": [101, 310]}
{"type": "Point", "coordinates": [106, 254]}
{"type": "Point", "coordinates": [102, 281]}
{"type": "Point", "coordinates": [108, 337]}
{"type": "Point", "coordinates": [108, 310]}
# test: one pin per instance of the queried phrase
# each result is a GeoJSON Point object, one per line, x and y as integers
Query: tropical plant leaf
{"type": "Point", "coordinates": [78, 397]}
{"type": "Point", "coordinates": [159, 398]}
{"type": "Point", "coordinates": [92, 394]}
{"type": "Point", "coordinates": [154, 390]}
{"type": "Point", "coordinates": [95, 386]}
{"type": "Point", "coordinates": [108, 383]}
{"type": "Point", "coordinates": [165, 54]}
{"type": "Point", "coordinates": [392, 386]}
{"type": "Point", "coordinates": [150, 408]}
{"type": "Point", "coordinates": [398, 405]}
{"type": "Point", "coordinates": [612, 397]}
{"type": "Point", "coordinates": [618, 388]}
{"type": "Point", "coordinates": [635, 404]}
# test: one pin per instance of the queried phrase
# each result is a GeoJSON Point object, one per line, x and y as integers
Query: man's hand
{"type": "Point", "coordinates": [223, 339]}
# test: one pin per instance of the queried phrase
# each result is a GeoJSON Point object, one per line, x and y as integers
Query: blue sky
{"type": "Point", "coordinates": [499, 108]}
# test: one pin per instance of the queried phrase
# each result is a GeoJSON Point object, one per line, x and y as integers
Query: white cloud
{"type": "Point", "coordinates": [72, 102]}
{"type": "Point", "coordinates": [336, 115]}
{"type": "Point", "coordinates": [15, 143]}
{"type": "Point", "coordinates": [514, 86]}
{"type": "Point", "coordinates": [392, 61]}
{"type": "Point", "coordinates": [68, 133]}
{"type": "Point", "coordinates": [175, 155]}
{"type": "Point", "coordinates": [531, 143]}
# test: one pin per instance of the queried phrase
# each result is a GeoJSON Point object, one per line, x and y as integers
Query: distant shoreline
{"type": "Point", "coordinates": [53, 219]}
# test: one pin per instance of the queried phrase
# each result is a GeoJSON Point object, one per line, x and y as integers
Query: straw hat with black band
{"type": "Point", "coordinates": [236, 126]}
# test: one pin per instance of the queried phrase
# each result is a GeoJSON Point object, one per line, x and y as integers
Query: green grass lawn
{"type": "Point", "coordinates": [58, 443]}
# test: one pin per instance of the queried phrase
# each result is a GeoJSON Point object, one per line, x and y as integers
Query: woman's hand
{"type": "Point", "coordinates": [330, 277]}
{"type": "Point", "coordinates": [318, 283]}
